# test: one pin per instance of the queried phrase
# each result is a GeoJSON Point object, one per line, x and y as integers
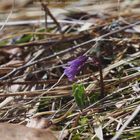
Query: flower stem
{"type": "Point", "coordinates": [98, 53]}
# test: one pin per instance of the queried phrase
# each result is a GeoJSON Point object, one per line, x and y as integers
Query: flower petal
{"type": "Point", "coordinates": [74, 67]}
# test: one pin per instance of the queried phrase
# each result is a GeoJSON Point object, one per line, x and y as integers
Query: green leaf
{"type": "Point", "coordinates": [24, 39]}
{"type": "Point", "coordinates": [137, 134]}
{"type": "Point", "coordinates": [4, 42]}
{"type": "Point", "coordinates": [94, 97]}
{"type": "Point", "coordinates": [78, 91]}
{"type": "Point", "coordinates": [83, 120]}
{"type": "Point", "coordinates": [76, 137]}
{"type": "Point", "coordinates": [43, 104]}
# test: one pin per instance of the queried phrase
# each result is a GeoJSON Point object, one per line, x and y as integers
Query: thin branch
{"type": "Point", "coordinates": [5, 22]}
{"type": "Point", "coordinates": [134, 114]}
{"type": "Point", "coordinates": [48, 13]}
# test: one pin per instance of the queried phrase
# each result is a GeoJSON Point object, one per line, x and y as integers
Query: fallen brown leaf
{"type": "Point", "coordinates": [19, 132]}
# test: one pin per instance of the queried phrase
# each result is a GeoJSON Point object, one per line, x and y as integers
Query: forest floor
{"type": "Point", "coordinates": [77, 65]}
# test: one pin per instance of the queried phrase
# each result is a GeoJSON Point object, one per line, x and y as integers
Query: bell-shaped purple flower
{"type": "Point", "coordinates": [74, 67]}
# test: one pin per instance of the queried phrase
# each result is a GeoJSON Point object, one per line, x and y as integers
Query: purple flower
{"type": "Point", "coordinates": [74, 67]}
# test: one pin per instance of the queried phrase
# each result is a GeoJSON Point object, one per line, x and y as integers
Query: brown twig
{"type": "Point", "coordinates": [48, 13]}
